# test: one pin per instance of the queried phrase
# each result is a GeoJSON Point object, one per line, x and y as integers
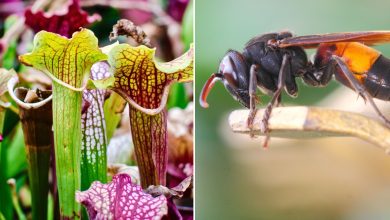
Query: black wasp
{"type": "Point", "coordinates": [272, 62]}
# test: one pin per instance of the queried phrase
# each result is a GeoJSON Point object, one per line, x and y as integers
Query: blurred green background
{"type": "Point", "coordinates": [332, 178]}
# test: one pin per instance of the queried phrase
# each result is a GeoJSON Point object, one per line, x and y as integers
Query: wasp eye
{"type": "Point", "coordinates": [226, 65]}
{"type": "Point", "coordinates": [229, 71]}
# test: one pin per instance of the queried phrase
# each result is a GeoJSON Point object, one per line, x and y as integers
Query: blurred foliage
{"type": "Point", "coordinates": [13, 159]}
{"type": "Point", "coordinates": [103, 28]}
{"type": "Point", "coordinates": [177, 96]}
{"type": "Point", "coordinates": [10, 55]}
{"type": "Point", "coordinates": [188, 25]}
{"type": "Point", "coordinates": [223, 187]}
{"type": "Point", "coordinates": [17, 162]}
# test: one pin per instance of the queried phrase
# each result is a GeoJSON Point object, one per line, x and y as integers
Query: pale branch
{"type": "Point", "coordinates": [308, 122]}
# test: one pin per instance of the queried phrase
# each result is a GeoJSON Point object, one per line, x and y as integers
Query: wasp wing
{"type": "Point", "coordinates": [264, 38]}
{"type": "Point", "coordinates": [312, 41]}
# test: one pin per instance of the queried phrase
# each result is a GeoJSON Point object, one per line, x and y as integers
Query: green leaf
{"type": "Point", "coordinates": [113, 108]}
{"type": "Point", "coordinates": [2, 216]}
{"type": "Point", "coordinates": [94, 139]}
{"type": "Point", "coordinates": [101, 83]}
{"type": "Point", "coordinates": [6, 207]}
{"type": "Point", "coordinates": [16, 154]}
{"type": "Point", "coordinates": [177, 96]}
{"type": "Point", "coordinates": [67, 62]}
{"type": "Point", "coordinates": [10, 55]}
{"type": "Point", "coordinates": [5, 198]}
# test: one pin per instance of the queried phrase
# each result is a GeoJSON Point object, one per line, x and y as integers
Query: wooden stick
{"type": "Point", "coordinates": [308, 122]}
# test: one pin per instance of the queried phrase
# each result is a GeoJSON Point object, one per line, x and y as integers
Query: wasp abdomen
{"type": "Point", "coordinates": [377, 81]}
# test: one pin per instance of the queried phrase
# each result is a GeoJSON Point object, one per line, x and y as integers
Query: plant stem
{"type": "Point", "coordinates": [113, 108]}
{"type": "Point", "coordinates": [5, 198]}
{"type": "Point", "coordinates": [67, 62]}
{"type": "Point", "coordinates": [67, 142]}
{"type": "Point", "coordinates": [94, 140]}
{"type": "Point", "coordinates": [37, 124]}
{"type": "Point", "coordinates": [150, 145]}
{"type": "Point", "coordinates": [15, 201]}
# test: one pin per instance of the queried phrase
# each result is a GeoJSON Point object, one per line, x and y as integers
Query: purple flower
{"type": "Point", "coordinates": [121, 199]}
{"type": "Point", "coordinates": [8, 7]}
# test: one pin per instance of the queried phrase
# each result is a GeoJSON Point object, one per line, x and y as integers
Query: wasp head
{"type": "Point", "coordinates": [233, 72]}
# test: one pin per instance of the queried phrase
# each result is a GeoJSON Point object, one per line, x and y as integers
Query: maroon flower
{"type": "Point", "coordinates": [180, 162]}
{"type": "Point", "coordinates": [176, 9]}
{"type": "Point", "coordinates": [64, 24]}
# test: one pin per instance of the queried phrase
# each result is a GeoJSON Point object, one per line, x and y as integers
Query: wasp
{"type": "Point", "coordinates": [272, 62]}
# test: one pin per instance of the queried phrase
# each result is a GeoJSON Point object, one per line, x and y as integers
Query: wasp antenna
{"type": "Point", "coordinates": [207, 88]}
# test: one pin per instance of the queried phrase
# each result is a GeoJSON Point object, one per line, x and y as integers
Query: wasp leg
{"type": "Point", "coordinates": [359, 88]}
{"type": "Point", "coordinates": [291, 86]}
{"type": "Point", "coordinates": [253, 98]}
{"type": "Point", "coordinates": [279, 102]}
{"type": "Point", "coordinates": [284, 70]}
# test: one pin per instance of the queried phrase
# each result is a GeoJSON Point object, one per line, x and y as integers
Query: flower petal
{"type": "Point", "coordinates": [64, 24]}
{"type": "Point", "coordinates": [5, 76]}
{"type": "Point", "coordinates": [121, 199]}
{"type": "Point", "coordinates": [66, 61]}
{"type": "Point", "coordinates": [143, 81]}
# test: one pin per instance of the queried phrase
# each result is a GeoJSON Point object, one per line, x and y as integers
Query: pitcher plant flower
{"type": "Point", "coordinates": [144, 83]}
{"type": "Point", "coordinates": [67, 62]}
{"type": "Point", "coordinates": [35, 112]}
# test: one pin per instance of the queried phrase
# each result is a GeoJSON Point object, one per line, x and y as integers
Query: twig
{"type": "Point", "coordinates": [129, 29]}
{"type": "Point", "coordinates": [309, 122]}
